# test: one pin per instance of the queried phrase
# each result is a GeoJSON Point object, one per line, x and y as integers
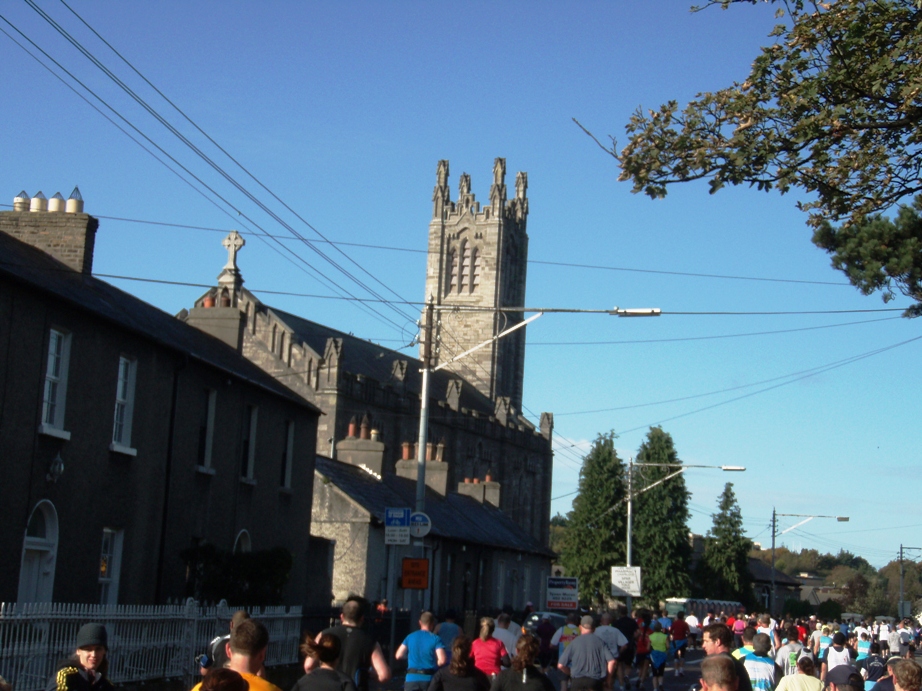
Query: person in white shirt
{"type": "Point", "coordinates": [693, 631]}
{"type": "Point", "coordinates": [503, 634]}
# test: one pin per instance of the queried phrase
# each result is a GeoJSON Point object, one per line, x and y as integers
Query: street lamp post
{"type": "Point", "coordinates": [631, 494]}
{"type": "Point", "coordinates": [807, 517]}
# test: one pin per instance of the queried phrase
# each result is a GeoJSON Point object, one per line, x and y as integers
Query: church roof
{"type": "Point", "coordinates": [31, 266]}
{"type": "Point", "coordinates": [454, 517]}
{"type": "Point", "coordinates": [360, 356]}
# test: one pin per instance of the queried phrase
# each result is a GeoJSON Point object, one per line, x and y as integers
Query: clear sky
{"type": "Point", "coordinates": [342, 110]}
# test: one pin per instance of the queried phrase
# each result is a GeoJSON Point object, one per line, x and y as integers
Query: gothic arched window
{"type": "Point", "coordinates": [465, 284]}
{"type": "Point", "coordinates": [452, 271]}
{"type": "Point", "coordinates": [475, 272]}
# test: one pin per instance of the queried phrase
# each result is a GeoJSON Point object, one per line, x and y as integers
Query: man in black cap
{"type": "Point", "coordinates": [85, 671]}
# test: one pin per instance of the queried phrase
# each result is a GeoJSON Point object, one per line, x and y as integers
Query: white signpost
{"type": "Point", "coordinates": [397, 526]}
{"type": "Point", "coordinates": [625, 581]}
{"type": "Point", "coordinates": [562, 593]}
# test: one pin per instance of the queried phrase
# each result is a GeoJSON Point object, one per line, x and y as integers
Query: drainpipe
{"type": "Point", "coordinates": [167, 471]}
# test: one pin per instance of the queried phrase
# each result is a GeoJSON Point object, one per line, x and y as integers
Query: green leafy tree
{"type": "Point", "coordinates": [833, 107]}
{"type": "Point", "coordinates": [725, 565]}
{"type": "Point", "coordinates": [558, 533]}
{"type": "Point", "coordinates": [595, 533]}
{"type": "Point", "coordinates": [660, 530]}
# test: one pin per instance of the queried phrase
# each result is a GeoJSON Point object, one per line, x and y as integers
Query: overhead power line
{"type": "Point", "coordinates": [574, 265]}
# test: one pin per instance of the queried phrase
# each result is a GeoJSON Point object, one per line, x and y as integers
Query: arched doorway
{"type": "Point", "coordinates": [242, 543]}
{"type": "Point", "coordinates": [39, 552]}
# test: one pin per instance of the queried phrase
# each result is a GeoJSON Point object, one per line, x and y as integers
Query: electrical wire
{"type": "Point", "coordinates": [849, 361]}
{"type": "Point", "coordinates": [226, 153]}
{"type": "Point", "coordinates": [197, 151]}
{"type": "Point", "coordinates": [576, 265]}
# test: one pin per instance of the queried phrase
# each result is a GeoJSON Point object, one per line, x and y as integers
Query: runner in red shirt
{"type": "Point", "coordinates": [679, 642]}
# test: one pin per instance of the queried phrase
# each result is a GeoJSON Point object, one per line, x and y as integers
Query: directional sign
{"type": "Point", "coordinates": [420, 524]}
{"type": "Point", "coordinates": [397, 526]}
{"type": "Point", "coordinates": [625, 581]}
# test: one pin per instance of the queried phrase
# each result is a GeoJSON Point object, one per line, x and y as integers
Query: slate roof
{"type": "Point", "coordinates": [454, 516]}
{"type": "Point", "coordinates": [762, 573]}
{"type": "Point", "coordinates": [375, 361]}
{"type": "Point", "coordinates": [28, 265]}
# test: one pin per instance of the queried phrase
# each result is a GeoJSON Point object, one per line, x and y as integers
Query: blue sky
{"type": "Point", "coordinates": [342, 110]}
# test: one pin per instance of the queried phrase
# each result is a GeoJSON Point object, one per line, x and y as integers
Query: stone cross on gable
{"type": "Point", "coordinates": [233, 242]}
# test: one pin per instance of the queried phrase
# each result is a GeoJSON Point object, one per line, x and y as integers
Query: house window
{"type": "Point", "coordinates": [110, 565]}
{"type": "Point", "coordinates": [55, 393]}
{"type": "Point", "coordinates": [124, 404]}
{"type": "Point", "coordinates": [248, 464]}
{"type": "Point", "coordinates": [206, 428]}
{"type": "Point", "coordinates": [288, 454]}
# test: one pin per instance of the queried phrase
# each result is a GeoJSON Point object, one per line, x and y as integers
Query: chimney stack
{"type": "Point", "coordinates": [69, 237]}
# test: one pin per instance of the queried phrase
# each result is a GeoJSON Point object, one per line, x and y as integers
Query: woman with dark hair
{"type": "Point", "coordinates": [325, 650]}
{"type": "Point", "coordinates": [523, 676]}
{"type": "Point", "coordinates": [460, 674]}
{"type": "Point", "coordinates": [86, 670]}
{"type": "Point", "coordinates": [488, 653]}
{"type": "Point", "coordinates": [223, 679]}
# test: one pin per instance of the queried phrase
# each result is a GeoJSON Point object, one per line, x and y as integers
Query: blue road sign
{"type": "Point", "coordinates": [397, 518]}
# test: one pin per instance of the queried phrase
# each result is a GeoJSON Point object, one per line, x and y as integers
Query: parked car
{"type": "Point", "coordinates": [531, 623]}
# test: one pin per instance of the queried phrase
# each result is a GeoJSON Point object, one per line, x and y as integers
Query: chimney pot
{"type": "Point", "coordinates": [375, 434]}
{"type": "Point", "coordinates": [352, 426]}
{"type": "Point", "coordinates": [39, 202]}
{"type": "Point", "coordinates": [476, 480]}
{"type": "Point", "coordinates": [56, 203]}
{"type": "Point", "coordinates": [406, 447]}
{"type": "Point", "coordinates": [467, 481]}
{"type": "Point", "coordinates": [21, 201]}
{"type": "Point", "coordinates": [74, 203]}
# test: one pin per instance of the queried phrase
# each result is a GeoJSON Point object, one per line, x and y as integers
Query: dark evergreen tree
{"type": "Point", "coordinates": [595, 532]}
{"type": "Point", "coordinates": [724, 568]}
{"type": "Point", "coordinates": [660, 530]}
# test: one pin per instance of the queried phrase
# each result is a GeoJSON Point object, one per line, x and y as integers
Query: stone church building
{"type": "Point", "coordinates": [475, 278]}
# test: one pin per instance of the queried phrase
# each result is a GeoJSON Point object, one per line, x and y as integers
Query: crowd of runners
{"type": "Point", "coordinates": [614, 651]}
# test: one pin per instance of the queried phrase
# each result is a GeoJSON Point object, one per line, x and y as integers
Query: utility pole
{"type": "Point", "coordinates": [899, 607]}
{"type": "Point", "coordinates": [423, 438]}
{"type": "Point", "coordinates": [630, 519]}
{"type": "Point", "coordinates": [771, 596]}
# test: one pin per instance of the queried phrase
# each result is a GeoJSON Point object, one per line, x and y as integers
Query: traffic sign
{"type": "Point", "coordinates": [420, 524]}
{"type": "Point", "coordinates": [397, 526]}
{"type": "Point", "coordinates": [625, 581]}
{"type": "Point", "coordinates": [415, 574]}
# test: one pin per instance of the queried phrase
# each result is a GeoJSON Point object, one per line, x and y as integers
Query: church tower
{"type": "Point", "coordinates": [477, 259]}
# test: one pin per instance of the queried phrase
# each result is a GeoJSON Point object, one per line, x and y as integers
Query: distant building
{"type": "Point", "coordinates": [129, 437]}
